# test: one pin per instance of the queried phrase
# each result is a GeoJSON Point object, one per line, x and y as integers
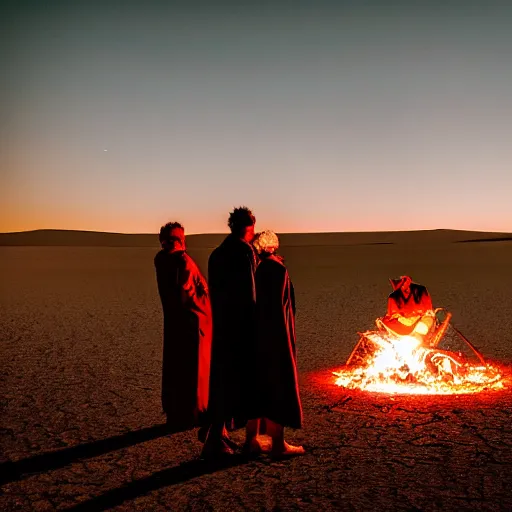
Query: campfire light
{"type": "Point", "coordinates": [408, 365]}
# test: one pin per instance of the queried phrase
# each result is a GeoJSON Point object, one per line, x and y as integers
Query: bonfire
{"type": "Point", "coordinates": [441, 361]}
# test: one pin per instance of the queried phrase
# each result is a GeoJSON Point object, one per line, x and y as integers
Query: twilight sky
{"type": "Point", "coordinates": [320, 116]}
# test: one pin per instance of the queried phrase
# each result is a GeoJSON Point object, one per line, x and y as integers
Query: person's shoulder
{"type": "Point", "coordinates": [239, 248]}
{"type": "Point", "coordinates": [273, 266]}
{"type": "Point", "coordinates": [247, 249]}
{"type": "Point", "coordinates": [216, 254]}
{"type": "Point", "coordinates": [181, 262]}
{"type": "Point", "coordinates": [222, 246]}
{"type": "Point", "coordinates": [159, 257]}
{"type": "Point", "coordinates": [181, 258]}
{"type": "Point", "coordinates": [277, 260]}
{"type": "Point", "coordinates": [231, 247]}
{"type": "Point", "coordinates": [188, 261]}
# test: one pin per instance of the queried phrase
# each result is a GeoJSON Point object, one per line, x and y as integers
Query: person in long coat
{"type": "Point", "coordinates": [275, 381]}
{"type": "Point", "coordinates": [187, 332]}
{"type": "Point", "coordinates": [231, 269]}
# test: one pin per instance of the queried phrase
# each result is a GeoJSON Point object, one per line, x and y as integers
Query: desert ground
{"type": "Point", "coordinates": [81, 344]}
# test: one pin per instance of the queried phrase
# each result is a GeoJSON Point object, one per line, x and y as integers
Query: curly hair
{"type": "Point", "coordinates": [165, 231]}
{"type": "Point", "coordinates": [266, 242]}
{"type": "Point", "coordinates": [240, 218]}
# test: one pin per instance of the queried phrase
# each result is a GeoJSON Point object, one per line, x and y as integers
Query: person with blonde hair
{"type": "Point", "coordinates": [276, 401]}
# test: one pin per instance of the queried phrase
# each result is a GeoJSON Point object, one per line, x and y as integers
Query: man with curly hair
{"type": "Point", "coordinates": [187, 332]}
{"type": "Point", "coordinates": [231, 269]}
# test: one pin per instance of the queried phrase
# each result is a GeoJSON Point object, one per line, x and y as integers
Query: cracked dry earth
{"type": "Point", "coordinates": [80, 411]}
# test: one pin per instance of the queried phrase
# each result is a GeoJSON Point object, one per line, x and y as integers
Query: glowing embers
{"type": "Point", "coordinates": [388, 363]}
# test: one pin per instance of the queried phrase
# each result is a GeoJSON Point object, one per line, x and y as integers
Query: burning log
{"type": "Point", "coordinates": [385, 361]}
{"type": "Point", "coordinates": [440, 332]}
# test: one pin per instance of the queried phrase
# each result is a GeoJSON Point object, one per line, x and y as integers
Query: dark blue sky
{"type": "Point", "coordinates": [321, 116]}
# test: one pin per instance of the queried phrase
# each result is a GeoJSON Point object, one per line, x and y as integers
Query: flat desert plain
{"type": "Point", "coordinates": [81, 346]}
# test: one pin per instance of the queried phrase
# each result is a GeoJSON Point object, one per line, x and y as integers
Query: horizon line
{"type": "Point", "coordinates": [227, 232]}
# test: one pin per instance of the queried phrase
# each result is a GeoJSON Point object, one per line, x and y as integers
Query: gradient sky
{"type": "Point", "coordinates": [320, 116]}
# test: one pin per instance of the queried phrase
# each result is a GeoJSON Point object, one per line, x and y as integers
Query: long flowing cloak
{"type": "Point", "coordinates": [187, 340]}
{"type": "Point", "coordinates": [231, 268]}
{"type": "Point", "coordinates": [276, 383]}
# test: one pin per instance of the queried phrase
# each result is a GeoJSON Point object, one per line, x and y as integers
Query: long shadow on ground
{"type": "Point", "coordinates": [12, 471]}
{"type": "Point", "coordinates": [164, 478]}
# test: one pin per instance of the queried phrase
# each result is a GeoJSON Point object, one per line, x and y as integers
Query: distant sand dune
{"type": "Point", "coordinates": [56, 237]}
{"type": "Point", "coordinates": [499, 239]}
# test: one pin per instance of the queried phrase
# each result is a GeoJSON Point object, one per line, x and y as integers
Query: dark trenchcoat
{"type": "Point", "coordinates": [187, 339]}
{"type": "Point", "coordinates": [275, 385]}
{"type": "Point", "coordinates": [231, 268]}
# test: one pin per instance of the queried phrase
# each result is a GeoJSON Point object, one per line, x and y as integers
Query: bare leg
{"type": "Point", "coordinates": [279, 446]}
{"type": "Point", "coordinates": [252, 444]}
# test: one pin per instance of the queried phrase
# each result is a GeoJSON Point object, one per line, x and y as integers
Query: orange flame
{"type": "Point", "coordinates": [405, 365]}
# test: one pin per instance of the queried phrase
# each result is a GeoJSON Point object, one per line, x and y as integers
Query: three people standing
{"type": "Point", "coordinates": [252, 371]}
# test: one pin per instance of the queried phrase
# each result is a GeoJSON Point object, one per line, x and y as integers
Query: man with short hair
{"type": "Point", "coordinates": [187, 332]}
{"type": "Point", "coordinates": [231, 269]}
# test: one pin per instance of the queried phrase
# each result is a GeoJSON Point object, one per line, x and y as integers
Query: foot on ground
{"type": "Point", "coordinates": [287, 450]}
{"type": "Point", "coordinates": [255, 446]}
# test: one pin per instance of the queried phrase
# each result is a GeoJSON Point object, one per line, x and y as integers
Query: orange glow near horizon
{"type": "Point", "coordinates": [138, 227]}
{"type": "Point", "coordinates": [28, 218]}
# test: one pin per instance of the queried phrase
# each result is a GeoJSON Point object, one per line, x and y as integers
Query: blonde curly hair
{"type": "Point", "coordinates": [266, 241]}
